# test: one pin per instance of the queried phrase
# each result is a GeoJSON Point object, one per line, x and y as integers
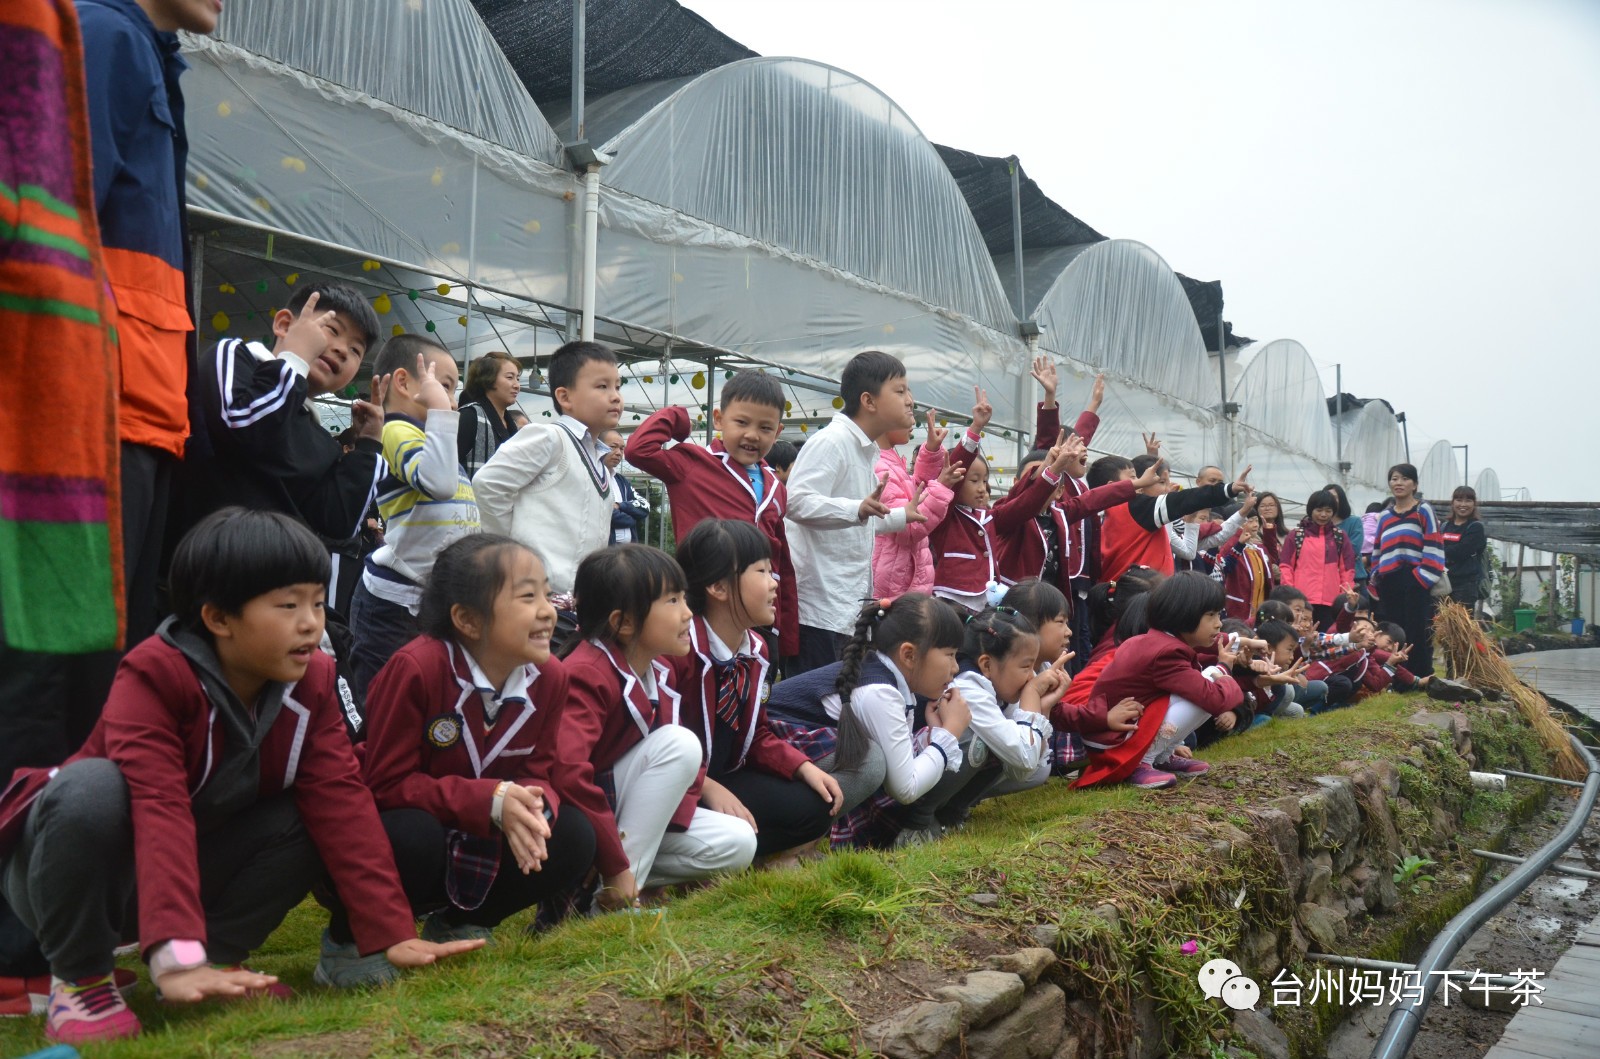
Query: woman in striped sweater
{"type": "Point", "coordinates": [1407, 559]}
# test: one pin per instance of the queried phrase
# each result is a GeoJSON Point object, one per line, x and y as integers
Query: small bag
{"type": "Point", "coordinates": [1441, 588]}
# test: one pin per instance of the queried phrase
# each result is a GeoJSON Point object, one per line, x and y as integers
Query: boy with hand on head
{"type": "Point", "coordinates": [217, 789]}
{"type": "Point", "coordinates": [267, 449]}
{"type": "Point", "coordinates": [426, 500]}
{"type": "Point", "coordinates": [729, 479]}
{"type": "Point", "coordinates": [833, 493]}
{"type": "Point", "coordinates": [549, 485]}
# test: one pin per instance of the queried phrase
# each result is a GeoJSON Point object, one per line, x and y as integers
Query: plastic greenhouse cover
{"type": "Point", "coordinates": [1279, 393]}
{"type": "Point", "coordinates": [817, 161]}
{"type": "Point", "coordinates": [426, 57]}
{"type": "Point", "coordinates": [1487, 485]}
{"type": "Point", "coordinates": [1440, 475]}
{"type": "Point", "coordinates": [280, 148]}
{"type": "Point", "coordinates": [1118, 306]}
{"type": "Point", "coordinates": [1372, 443]}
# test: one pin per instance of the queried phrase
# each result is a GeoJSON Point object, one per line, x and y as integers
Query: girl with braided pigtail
{"type": "Point", "coordinates": [886, 705]}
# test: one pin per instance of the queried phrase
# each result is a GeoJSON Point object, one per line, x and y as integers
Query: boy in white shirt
{"type": "Point", "coordinates": [548, 485]}
{"type": "Point", "coordinates": [831, 525]}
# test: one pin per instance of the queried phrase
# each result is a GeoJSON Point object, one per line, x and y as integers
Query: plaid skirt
{"type": "Point", "coordinates": [1067, 753]}
{"type": "Point", "coordinates": [875, 822]}
{"type": "Point", "coordinates": [470, 869]}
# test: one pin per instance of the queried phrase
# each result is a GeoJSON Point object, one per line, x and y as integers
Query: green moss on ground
{"type": "Point", "coordinates": [792, 963]}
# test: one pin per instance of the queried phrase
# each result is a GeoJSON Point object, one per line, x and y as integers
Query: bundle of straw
{"type": "Point", "coordinates": [1478, 660]}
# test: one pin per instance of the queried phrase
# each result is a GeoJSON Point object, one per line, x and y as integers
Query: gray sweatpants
{"type": "Point", "coordinates": [860, 783]}
{"type": "Point", "coordinates": [70, 878]}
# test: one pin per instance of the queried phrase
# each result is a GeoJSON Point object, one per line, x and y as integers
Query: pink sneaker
{"type": "Point", "coordinates": [20, 997]}
{"type": "Point", "coordinates": [1184, 766]}
{"type": "Point", "coordinates": [1151, 779]}
{"type": "Point", "coordinates": [87, 1011]}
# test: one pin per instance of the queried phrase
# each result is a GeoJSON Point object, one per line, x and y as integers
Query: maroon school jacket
{"type": "Point", "coordinates": [1081, 551]}
{"type": "Point", "coordinates": [159, 728]}
{"type": "Point", "coordinates": [966, 545]}
{"type": "Point", "coordinates": [429, 746]}
{"type": "Point", "coordinates": [707, 483]}
{"type": "Point", "coordinates": [1151, 665]}
{"type": "Point", "coordinates": [607, 714]}
{"type": "Point", "coordinates": [695, 676]}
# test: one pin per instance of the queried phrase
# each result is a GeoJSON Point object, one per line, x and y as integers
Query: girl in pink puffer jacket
{"type": "Point", "coordinates": [902, 562]}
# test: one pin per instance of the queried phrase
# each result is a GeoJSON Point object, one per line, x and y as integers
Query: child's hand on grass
{"type": "Point", "coordinates": [202, 983]}
{"type": "Point", "coordinates": [826, 786]}
{"type": "Point", "coordinates": [414, 952]}
{"type": "Point", "coordinates": [618, 891]}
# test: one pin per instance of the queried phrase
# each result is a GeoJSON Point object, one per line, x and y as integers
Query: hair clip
{"type": "Point", "coordinates": [1111, 592]}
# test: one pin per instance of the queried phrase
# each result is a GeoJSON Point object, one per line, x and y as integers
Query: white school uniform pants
{"type": "Point", "coordinates": [651, 779]}
{"type": "Point", "coordinates": [1183, 717]}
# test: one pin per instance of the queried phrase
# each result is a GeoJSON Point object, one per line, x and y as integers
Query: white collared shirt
{"type": "Point", "coordinates": [830, 544]}
{"type": "Point", "coordinates": [516, 686]}
{"type": "Point", "coordinates": [885, 712]}
{"type": "Point", "coordinates": [1018, 737]}
{"type": "Point", "coordinates": [590, 444]}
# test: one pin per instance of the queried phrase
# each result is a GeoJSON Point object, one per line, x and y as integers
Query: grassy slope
{"type": "Point", "coordinates": [789, 963]}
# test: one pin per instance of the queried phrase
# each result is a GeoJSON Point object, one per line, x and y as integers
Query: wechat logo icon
{"type": "Point", "coordinates": [1223, 979]}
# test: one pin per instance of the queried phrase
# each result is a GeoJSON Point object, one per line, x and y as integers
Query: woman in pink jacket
{"type": "Point", "coordinates": [901, 562]}
{"type": "Point", "coordinates": [1318, 559]}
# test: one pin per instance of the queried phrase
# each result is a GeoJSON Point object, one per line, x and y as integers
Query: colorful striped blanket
{"type": "Point", "coordinates": [60, 537]}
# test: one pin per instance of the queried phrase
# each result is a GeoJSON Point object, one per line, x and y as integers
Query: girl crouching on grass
{"type": "Point", "coordinates": [750, 772]}
{"type": "Point", "coordinates": [863, 716]}
{"type": "Point", "coordinates": [461, 749]}
{"type": "Point", "coordinates": [217, 789]}
{"type": "Point", "coordinates": [634, 773]}
{"type": "Point", "coordinates": [1160, 669]}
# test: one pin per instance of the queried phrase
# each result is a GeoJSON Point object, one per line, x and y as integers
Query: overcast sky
{"type": "Point", "coordinates": [1412, 188]}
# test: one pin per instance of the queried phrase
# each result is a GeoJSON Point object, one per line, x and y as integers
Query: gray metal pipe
{"type": "Point", "coordinates": [1542, 779]}
{"type": "Point", "coordinates": [1406, 1019]}
{"type": "Point", "coordinates": [1562, 869]}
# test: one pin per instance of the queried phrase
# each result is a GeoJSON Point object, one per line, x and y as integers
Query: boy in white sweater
{"type": "Point", "coordinates": [549, 486]}
{"type": "Point", "coordinates": [425, 500]}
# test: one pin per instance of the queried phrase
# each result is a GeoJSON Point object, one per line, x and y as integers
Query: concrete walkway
{"type": "Point", "coordinates": [1567, 1023]}
{"type": "Point", "coordinates": [1571, 676]}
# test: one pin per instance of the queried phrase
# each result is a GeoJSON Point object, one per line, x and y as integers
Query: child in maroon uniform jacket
{"type": "Point", "coordinates": [1161, 669]}
{"type": "Point", "coordinates": [219, 785]}
{"type": "Point", "coordinates": [729, 478]}
{"type": "Point", "coordinates": [966, 546]}
{"type": "Point", "coordinates": [750, 772]}
{"type": "Point", "coordinates": [623, 762]}
{"type": "Point", "coordinates": [461, 746]}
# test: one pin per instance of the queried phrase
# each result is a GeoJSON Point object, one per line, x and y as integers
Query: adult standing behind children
{"type": "Point", "coordinates": [493, 382]}
{"type": "Point", "coordinates": [140, 153]}
{"type": "Point", "coordinates": [629, 509]}
{"type": "Point", "coordinates": [1464, 545]}
{"type": "Point", "coordinates": [426, 501]}
{"type": "Point", "coordinates": [729, 478]}
{"type": "Point", "coordinates": [268, 450]}
{"type": "Point", "coordinates": [549, 486]}
{"type": "Point", "coordinates": [1407, 559]}
{"type": "Point", "coordinates": [833, 495]}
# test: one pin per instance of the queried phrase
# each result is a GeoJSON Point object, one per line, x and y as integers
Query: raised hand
{"type": "Point", "coordinates": [1152, 444]}
{"type": "Point", "coordinates": [1241, 485]}
{"type": "Point", "coordinates": [367, 416]}
{"type": "Point", "coordinates": [912, 514]}
{"type": "Point", "coordinates": [951, 474]}
{"type": "Point", "coordinates": [873, 506]}
{"type": "Point", "coordinates": [1249, 506]}
{"type": "Point", "coordinates": [1151, 475]}
{"type": "Point", "coordinates": [1044, 373]}
{"type": "Point", "coordinates": [982, 410]}
{"type": "Point", "coordinates": [1097, 395]}
{"type": "Point", "coordinates": [307, 337]}
{"type": "Point", "coordinates": [1061, 453]}
{"type": "Point", "coordinates": [1227, 652]}
{"type": "Point", "coordinates": [936, 433]}
{"type": "Point", "coordinates": [430, 391]}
